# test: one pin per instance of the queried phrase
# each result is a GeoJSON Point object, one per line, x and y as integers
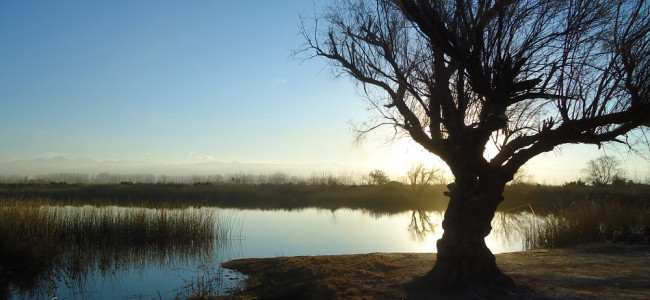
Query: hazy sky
{"type": "Point", "coordinates": [176, 83]}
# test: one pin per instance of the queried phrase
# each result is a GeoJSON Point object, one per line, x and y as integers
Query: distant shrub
{"type": "Point", "coordinates": [578, 182]}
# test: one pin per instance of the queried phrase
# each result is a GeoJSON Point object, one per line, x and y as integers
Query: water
{"type": "Point", "coordinates": [323, 232]}
{"type": "Point", "coordinates": [257, 233]}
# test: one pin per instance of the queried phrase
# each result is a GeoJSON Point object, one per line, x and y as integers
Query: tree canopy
{"type": "Point", "coordinates": [527, 75]}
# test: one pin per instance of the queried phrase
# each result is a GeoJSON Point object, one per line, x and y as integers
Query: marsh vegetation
{"type": "Point", "coordinates": [389, 198]}
{"type": "Point", "coordinates": [572, 215]}
{"type": "Point", "coordinates": [46, 246]}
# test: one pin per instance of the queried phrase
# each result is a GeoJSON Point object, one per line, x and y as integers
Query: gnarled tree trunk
{"type": "Point", "coordinates": [464, 263]}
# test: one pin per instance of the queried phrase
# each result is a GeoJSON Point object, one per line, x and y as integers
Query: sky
{"type": "Point", "coordinates": [193, 86]}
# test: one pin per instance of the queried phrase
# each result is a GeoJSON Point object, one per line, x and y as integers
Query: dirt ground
{"type": "Point", "coordinates": [594, 271]}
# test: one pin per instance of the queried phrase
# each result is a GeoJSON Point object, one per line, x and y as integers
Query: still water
{"type": "Point", "coordinates": [323, 232]}
{"type": "Point", "coordinates": [257, 233]}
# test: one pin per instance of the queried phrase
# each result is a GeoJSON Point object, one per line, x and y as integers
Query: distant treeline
{"type": "Point", "coordinates": [389, 198]}
{"type": "Point", "coordinates": [146, 178]}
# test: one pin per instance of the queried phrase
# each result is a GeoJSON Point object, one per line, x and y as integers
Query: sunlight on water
{"type": "Point", "coordinates": [324, 232]}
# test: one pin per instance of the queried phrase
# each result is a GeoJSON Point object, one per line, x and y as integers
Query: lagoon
{"type": "Point", "coordinates": [169, 273]}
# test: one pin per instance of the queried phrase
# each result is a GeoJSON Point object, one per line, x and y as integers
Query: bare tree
{"type": "Point", "coordinates": [526, 75]}
{"type": "Point", "coordinates": [603, 170]}
{"type": "Point", "coordinates": [418, 176]}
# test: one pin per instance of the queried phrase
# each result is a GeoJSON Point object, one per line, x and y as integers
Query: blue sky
{"type": "Point", "coordinates": [184, 82]}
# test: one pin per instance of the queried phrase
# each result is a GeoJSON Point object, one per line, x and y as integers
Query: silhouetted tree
{"type": "Point", "coordinates": [526, 75]}
{"type": "Point", "coordinates": [621, 182]}
{"type": "Point", "coordinates": [418, 176]}
{"type": "Point", "coordinates": [377, 177]}
{"type": "Point", "coordinates": [603, 170]}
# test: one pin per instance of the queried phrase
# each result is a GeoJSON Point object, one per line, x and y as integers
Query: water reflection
{"type": "Point", "coordinates": [511, 229]}
{"type": "Point", "coordinates": [422, 224]}
{"type": "Point", "coordinates": [510, 232]}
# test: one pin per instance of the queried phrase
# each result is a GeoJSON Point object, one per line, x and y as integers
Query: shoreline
{"type": "Point", "coordinates": [603, 271]}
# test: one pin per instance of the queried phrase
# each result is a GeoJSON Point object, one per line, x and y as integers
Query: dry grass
{"type": "Point", "coordinates": [594, 271]}
{"type": "Point", "coordinates": [324, 277]}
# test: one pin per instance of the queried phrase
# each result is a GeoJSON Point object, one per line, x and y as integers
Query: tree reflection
{"type": "Point", "coordinates": [516, 225]}
{"type": "Point", "coordinates": [421, 225]}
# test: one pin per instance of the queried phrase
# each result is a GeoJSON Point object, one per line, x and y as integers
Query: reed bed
{"type": "Point", "coordinates": [43, 244]}
{"type": "Point", "coordinates": [580, 222]}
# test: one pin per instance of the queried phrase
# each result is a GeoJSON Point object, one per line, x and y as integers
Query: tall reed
{"type": "Point", "coordinates": [583, 222]}
{"type": "Point", "coordinates": [41, 243]}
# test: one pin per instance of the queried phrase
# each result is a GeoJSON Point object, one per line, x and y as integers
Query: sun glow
{"type": "Point", "coordinates": [397, 157]}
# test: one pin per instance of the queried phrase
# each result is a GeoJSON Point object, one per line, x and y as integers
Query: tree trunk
{"type": "Point", "coordinates": [464, 263]}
